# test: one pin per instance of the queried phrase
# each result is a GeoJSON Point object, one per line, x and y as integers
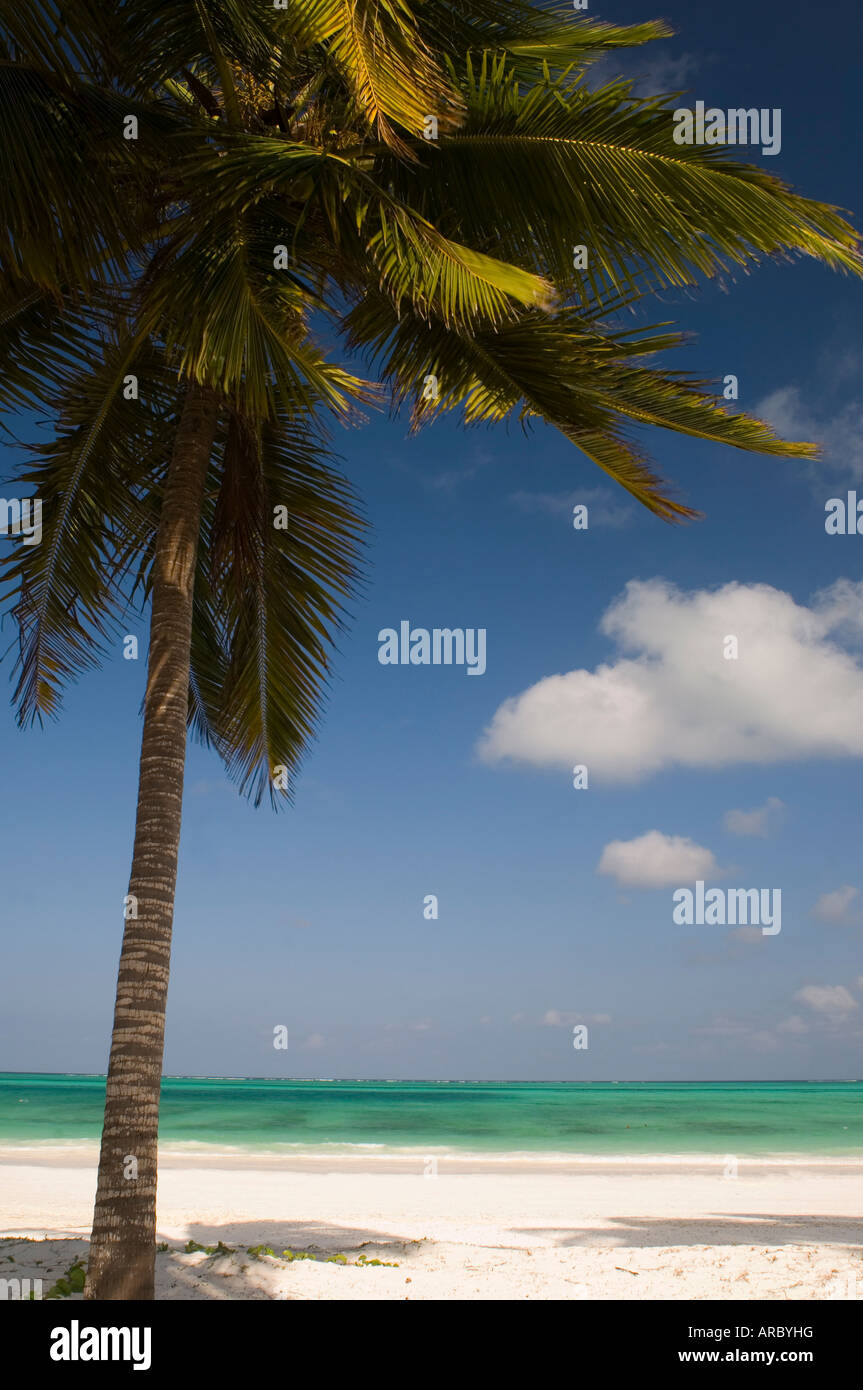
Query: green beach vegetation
{"type": "Point", "coordinates": [198, 200]}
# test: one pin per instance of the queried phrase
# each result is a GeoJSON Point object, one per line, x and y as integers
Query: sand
{"type": "Point", "coordinates": [480, 1229]}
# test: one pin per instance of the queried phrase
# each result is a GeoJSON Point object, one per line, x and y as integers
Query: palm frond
{"type": "Point", "coordinates": [165, 38]}
{"type": "Point", "coordinates": [536, 172]}
{"type": "Point", "coordinates": [62, 36]}
{"type": "Point", "coordinates": [394, 77]}
{"type": "Point", "coordinates": [269, 602]}
{"type": "Point", "coordinates": [94, 480]}
{"type": "Point", "coordinates": [572, 371]}
{"type": "Point", "coordinates": [239, 324]}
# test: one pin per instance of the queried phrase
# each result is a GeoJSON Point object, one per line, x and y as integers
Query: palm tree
{"type": "Point", "coordinates": [194, 195]}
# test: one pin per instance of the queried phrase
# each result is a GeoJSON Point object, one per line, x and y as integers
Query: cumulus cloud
{"type": "Point", "coordinates": [655, 860]}
{"type": "Point", "coordinates": [757, 822]}
{"type": "Point", "coordinates": [833, 907]}
{"type": "Point", "coordinates": [670, 699]}
{"type": "Point", "coordinates": [831, 1001]}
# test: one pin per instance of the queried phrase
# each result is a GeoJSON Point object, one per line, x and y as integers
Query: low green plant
{"type": "Point", "coordinates": [70, 1282]}
{"type": "Point", "coordinates": [257, 1252]}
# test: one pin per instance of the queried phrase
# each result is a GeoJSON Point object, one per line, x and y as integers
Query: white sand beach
{"type": "Point", "coordinates": [521, 1228]}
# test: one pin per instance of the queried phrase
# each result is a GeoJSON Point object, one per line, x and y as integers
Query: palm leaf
{"type": "Point", "coordinates": [535, 172]}
{"type": "Point", "coordinates": [572, 371]}
{"type": "Point", "coordinates": [94, 479]}
{"type": "Point", "coordinates": [270, 602]}
{"type": "Point", "coordinates": [377, 48]}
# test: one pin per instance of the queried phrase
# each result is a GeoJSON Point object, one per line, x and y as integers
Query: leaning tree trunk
{"type": "Point", "coordinates": [123, 1243]}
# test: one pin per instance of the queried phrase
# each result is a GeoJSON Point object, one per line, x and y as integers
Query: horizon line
{"type": "Point", "coordinates": [486, 1080]}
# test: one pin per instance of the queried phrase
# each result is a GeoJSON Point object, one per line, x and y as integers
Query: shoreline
{"type": "Point", "coordinates": [376, 1159]}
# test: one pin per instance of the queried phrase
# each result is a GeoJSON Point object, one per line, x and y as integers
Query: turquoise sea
{"type": "Point", "coordinates": [492, 1117]}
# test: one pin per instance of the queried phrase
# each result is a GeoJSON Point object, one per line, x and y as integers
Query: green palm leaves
{"type": "Point", "coordinates": [266, 607]}
{"type": "Point", "coordinates": [274, 193]}
{"type": "Point", "coordinates": [600, 168]}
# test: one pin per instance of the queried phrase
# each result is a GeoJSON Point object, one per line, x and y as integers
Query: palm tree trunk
{"type": "Point", "coordinates": [123, 1242]}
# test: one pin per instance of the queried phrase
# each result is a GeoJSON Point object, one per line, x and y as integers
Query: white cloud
{"type": "Point", "coordinates": [671, 699]}
{"type": "Point", "coordinates": [757, 822]}
{"type": "Point", "coordinates": [833, 1001]}
{"type": "Point", "coordinates": [314, 1041]}
{"type": "Point", "coordinates": [840, 437]}
{"type": "Point", "coordinates": [555, 1018]}
{"type": "Point", "coordinates": [784, 411]}
{"type": "Point", "coordinates": [655, 860]}
{"type": "Point", "coordinates": [833, 907]}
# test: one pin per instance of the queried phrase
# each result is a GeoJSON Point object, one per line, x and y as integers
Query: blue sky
{"type": "Point", "coordinates": [314, 918]}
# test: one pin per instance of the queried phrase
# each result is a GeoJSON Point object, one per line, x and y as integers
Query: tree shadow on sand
{"type": "Point", "coordinates": [746, 1228]}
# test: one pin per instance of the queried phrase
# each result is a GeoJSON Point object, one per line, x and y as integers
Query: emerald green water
{"type": "Point", "coordinates": [600, 1118]}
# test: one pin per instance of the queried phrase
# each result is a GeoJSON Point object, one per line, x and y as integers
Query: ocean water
{"type": "Point", "coordinates": [784, 1118]}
